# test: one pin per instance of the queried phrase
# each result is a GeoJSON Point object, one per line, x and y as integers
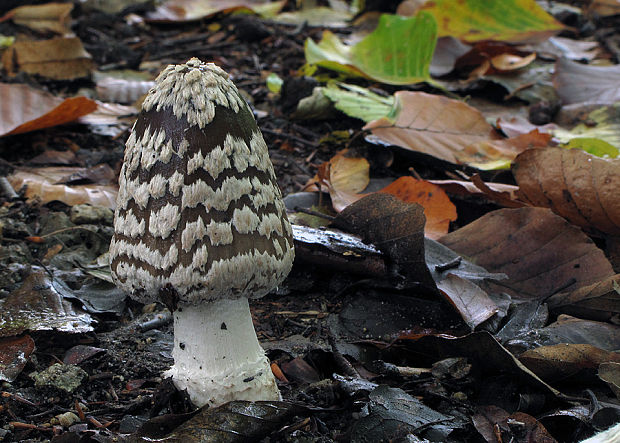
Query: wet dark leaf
{"type": "Point", "coordinates": [392, 414]}
{"type": "Point", "coordinates": [393, 226]}
{"type": "Point", "coordinates": [77, 354]}
{"type": "Point", "coordinates": [14, 354]}
{"type": "Point", "coordinates": [237, 421]}
{"type": "Point", "coordinates": [37, 306]}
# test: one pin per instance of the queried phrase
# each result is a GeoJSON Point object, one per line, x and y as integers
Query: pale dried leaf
{"type": "Point", "coordinates": [55, 17]}
{"type": "Point", "coordinates": [58, 58]}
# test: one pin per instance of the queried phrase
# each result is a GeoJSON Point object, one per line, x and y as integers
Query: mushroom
{"type": "Point", "coordinates": [200, 225]}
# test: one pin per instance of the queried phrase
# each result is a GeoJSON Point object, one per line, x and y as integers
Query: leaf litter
{"type": "Point", "coordinates": [505, 329]}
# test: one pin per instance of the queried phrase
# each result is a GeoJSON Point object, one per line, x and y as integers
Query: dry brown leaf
{"type": "Point", "coordinates": [42, 185]}
{"type": "Point", "coordinates": [599, 301]}
{"type": "Point", "coordinates": [558, 362]}
{"type": "Point", "coordinates": [489, 57]}
{"type": "Point", "coordinates": [577, 83]}
{"type": "Point", "coordinates": [55, 17]}
{"type": "Point", "coordinates": [24, 109]}
{"type": "Point", "coordinates": [505, 195]}
{"type": "Point", "coordinates": [541, 253]}
{"type": "Point", "coordinates": [576, 185]}
{"type": "Point", "coordinates": [434, 125]}
{"type": "Point", "coordinates": [58, 58]}
{"type": "Point", "coordinates": [438, 209]}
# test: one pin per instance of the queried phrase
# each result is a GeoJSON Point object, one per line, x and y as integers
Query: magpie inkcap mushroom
{"type": "Point", "coordinates": [201, 226]}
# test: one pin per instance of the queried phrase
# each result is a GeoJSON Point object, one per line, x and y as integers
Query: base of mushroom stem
{"type": "Point", "coordinates": [217, 357]}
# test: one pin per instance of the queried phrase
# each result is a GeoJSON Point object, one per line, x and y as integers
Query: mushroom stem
{"type": "Point", "coordinates": [217, 357]}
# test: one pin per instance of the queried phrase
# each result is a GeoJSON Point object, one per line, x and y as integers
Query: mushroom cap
{"type": "Point", "coordinates": [199, 210]}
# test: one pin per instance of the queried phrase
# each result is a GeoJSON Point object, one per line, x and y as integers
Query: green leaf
{"type": "Point", "coordinates": [274, 83]}
{"type": "Point", "coordinates": [593, 146]}
{"type": "Point", "coordinates": [397, 52]}
{"type": "Point", "coordinates": [359, 102]}
{"type": "Point", "coordinates": [505, 20]}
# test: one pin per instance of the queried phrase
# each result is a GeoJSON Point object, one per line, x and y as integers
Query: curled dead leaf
{"type": "Point", "coordinates": [578, 186]}
{"type": "Point", "coordinates": [24, 109]}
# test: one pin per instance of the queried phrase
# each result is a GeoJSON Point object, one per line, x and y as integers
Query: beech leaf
{"type": "Point", "coordinates": [576, 185]}
{"type": "Point", "coordinates": [24, 109]}
{"type": "Point", "coordinates": [506, 20]}
{"type": "Point", "coordinates": [398, 52]}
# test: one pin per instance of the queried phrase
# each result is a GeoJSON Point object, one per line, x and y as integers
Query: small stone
{"type": "Point", "coordinates": [64, 377]}
{"type": "Point", "coordinates": [67, 419]}
{"type": "Point", "coordinates": [88, 214]}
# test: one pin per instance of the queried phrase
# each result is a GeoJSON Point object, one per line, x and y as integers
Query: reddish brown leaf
{"type": "Point", "coordinates": [14, 354]}
{"type": "Point", "coordinates": [24, 109]}
{"type": "Point", "coordinates": [578, 186]}
{"type": "Point", "coordinates": [438, 209]}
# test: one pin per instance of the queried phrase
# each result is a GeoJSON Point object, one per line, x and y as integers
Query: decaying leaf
{"type": "Point", "coordinates": [236, 421]}
{"type": "Point", "coordinates": [541, 253]}
{"type": "Point", "coordinates": [399, 51]}
{"type": "Point", "coordinates": [24, 109]}
{"type": "Point", "coordinates": [42, 185]}
{"type": "Point", "coordinates": [501, 193]}
{"type": "Point", "coordinates": [438, 209]}
{"type": "Point", "coordinates": [57, 58]}
{"type": "Point", "coordinates": [508, 20]}
{"type": "Point", "coordinates": [598, 301]}
{"type": "Point", "coordinates": [578, 186]}
{"type": "Point", "coordinates": [559, 362]}
{"type": "Point", "coordinates": [497, 425]}
{"type": "Point", "coordinates": [482, 350]}
{"type": "Point", "coordinates": [37, 306]}
{"type": "Point", "coordinates": [53, 17]}
{"type": "Point", "coordinates": [14, 354]}
{"type": "Point", "coordinates": [577, 83]}
{"type": "Point", "coordinates": [392, 414]}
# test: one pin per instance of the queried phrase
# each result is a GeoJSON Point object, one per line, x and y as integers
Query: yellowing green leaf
{"type": "Point", "coordinates": [593, 146]}
{"type": "Point", "coordinates": [505, 20]}
{"type": "Point", "coordinates": [274, 83]}
{"type": "Point", "coordinates": [359, 102]}
{"type": "Point", "coordinates": [398, 51]}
